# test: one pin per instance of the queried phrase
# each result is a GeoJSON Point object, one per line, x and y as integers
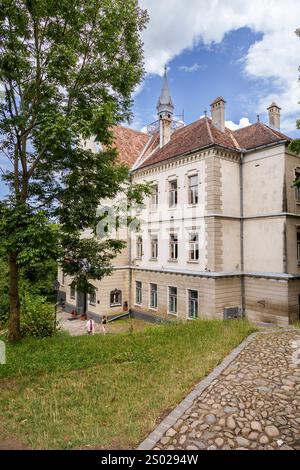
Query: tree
{"type": "Point", "coordinates": [67, 70]}
{"type": "Point", "coordinates": [295, 144]}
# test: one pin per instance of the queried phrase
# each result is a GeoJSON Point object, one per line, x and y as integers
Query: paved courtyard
{"type": "Point", "coordinates": [77, 327]}
{"type": "Point", "coordinates": [253, 404]}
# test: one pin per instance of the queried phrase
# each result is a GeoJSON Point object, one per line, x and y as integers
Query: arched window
{"type": "Point", "coordinates": [115, 298]}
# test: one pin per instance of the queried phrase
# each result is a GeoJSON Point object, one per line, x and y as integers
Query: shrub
{"type": "Point", "coordinates": [37, 317]}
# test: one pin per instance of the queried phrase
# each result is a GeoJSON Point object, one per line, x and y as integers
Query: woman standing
{"type": "Point", "coordinates": [103, 323]}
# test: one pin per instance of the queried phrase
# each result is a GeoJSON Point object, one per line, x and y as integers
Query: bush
{"type": "Point", "coordinates": [37, 317]}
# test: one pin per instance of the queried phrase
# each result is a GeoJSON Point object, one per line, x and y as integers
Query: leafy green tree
{"type": "Point", "coordinates": [67, 71]}
{"type": "Point", "coordinates": [295, 144]}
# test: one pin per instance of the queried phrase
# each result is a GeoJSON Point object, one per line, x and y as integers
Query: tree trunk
{"type": "Point", "coordinates": [14, 332]}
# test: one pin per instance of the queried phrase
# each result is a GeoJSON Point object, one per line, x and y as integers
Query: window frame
{"type": "Point", "coordinates": [72, 295]}
{"type": "Point", "coordinates": [173, 247]}
{"type": "Point", "coordinates": [189, 317]}
{"type": "Point", "coordinates": [194, 247]}
{"type": "Point", "coordinates": [90, 301]}
{"type": "Point", "coordinates": [297, 190]}
{"type": "Point", "coordinates": [153, 307]}
{"type": "Point", "coordinates": [170, 312]}
{"type": "Point", "coordinates": [140, 289]}
{"type": "Point", "coordinates": [298, 244]}
{"type": "Point", "coordinates": [193, 190]}
{"type": "Point", "coordinates": [153, 238]}
{"type": "Point", "coordinates": [115, 292]}
{"type": "Point", "coordinates": [139, 247]}
{"type": "Point", "coordinates": [154, 199]}
{"type": "Point", "coordinates": [173, 193]}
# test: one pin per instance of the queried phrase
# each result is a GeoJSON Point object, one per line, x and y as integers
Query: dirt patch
{"type": "Point", "coordinates": [12, 444]}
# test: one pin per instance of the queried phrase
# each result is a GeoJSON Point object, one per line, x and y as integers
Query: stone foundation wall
{"type": "Point", "coordinates": [267, 300]}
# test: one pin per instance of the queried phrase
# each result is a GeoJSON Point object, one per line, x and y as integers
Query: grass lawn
{"type": "Point", "coordinates": [106, 391]}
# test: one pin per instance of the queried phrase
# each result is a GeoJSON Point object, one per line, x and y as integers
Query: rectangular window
{"type": "Point", "coordinates": [72, 292]}
{"type": "Point", "coordinates": [173, 300]}
{"type": "Point", "coordinates": [153, 295]}
{"type": "Point", "coordinates": [173, 246]}
{"type": "Point", "coordinates": [194, 247]}
{"type": "Point", "coordinates": [138, 292]}
{"type": "Point", "coordinates": [154, 198]}
{"type": "Point", "coordinates": [193, 189]}
{"type": "Point", "coordinates": [62, 277]}
{"type": "Point", "coordinates": [93, 298]}
{"type": "Point", "coordinates": [154, 246]}
{"type": "Point", "coordinates": [192, 303]}
{"type": "Point", "coordinates": [297, 189]}
{"type": "Point", "coordinates": [139, 247]}
{"type": "Point", "coordinates": [298, 246]}
{"type": "Point", "coordinates": [173, 193]}
{"type": "Point", "coordinates": [115, 298]}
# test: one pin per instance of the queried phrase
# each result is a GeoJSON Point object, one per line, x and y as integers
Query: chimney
{"type": "Point", "coordinates": [217, 109]}
{"type": "Point", "coordinates": [165, 110]}
{"type": "Point", "coordinates": [274, 116]}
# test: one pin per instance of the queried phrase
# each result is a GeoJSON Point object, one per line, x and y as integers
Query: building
{"type": "Point", "coordinates": [220, 235]}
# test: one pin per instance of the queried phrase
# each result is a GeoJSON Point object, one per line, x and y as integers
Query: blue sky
{"type": "Point", "coordinates": [247, 52]}
{"type": "Point", "coordinates": [198, 75]}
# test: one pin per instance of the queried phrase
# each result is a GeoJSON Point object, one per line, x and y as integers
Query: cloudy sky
{"type": "Point", "coordinates": [245, 51]}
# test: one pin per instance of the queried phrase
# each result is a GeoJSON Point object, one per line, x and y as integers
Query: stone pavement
{"type": "Point", "coordinates": [254, 403]}
{"type": "Point", "coordinates": [74, 326]}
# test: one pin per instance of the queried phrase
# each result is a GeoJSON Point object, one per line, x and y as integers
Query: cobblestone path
{"type": "Point", "coordinates": [253, 404]}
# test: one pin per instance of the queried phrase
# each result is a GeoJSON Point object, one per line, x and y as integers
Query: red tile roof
{"type": "Point", "coordinates": [202, 133]}
{"type": "Point", "coordinates": [258, 134]}
{"type": "Point", "coordinates": [129, 143]}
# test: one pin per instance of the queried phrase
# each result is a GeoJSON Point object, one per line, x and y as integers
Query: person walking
{"type": "Point", "coordinates": [90, 326]}
{"type": "Point", "coordinates": [104, 323]}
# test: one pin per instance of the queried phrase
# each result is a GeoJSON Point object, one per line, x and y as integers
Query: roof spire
{"type": "Point", "coordinates": [165, 104]}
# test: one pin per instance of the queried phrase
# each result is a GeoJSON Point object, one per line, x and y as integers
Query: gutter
{"type": "Point", "coordinates": [242, 233]}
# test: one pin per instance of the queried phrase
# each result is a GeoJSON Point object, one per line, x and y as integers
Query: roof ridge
{"type": "Point", "coordinates": [247, 127]}
{"type": "Point", "coordinates": [234, 140]}
{"type": "Point", "coordinates": [209, 130]}
{"type": "Point", "coordinates": [273, 131]}
{"type": "Point", "coordinates": [131, 129]}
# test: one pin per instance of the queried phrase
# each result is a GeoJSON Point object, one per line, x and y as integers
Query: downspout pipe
{"type": "Point", "coordinates": [242, 233]}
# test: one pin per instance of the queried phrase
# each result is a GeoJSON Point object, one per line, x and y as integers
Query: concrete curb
{"type": "Point", "coordinates": [187, 402]}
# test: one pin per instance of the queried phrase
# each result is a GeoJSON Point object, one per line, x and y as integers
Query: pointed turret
{"type": "Point", "coordinates": [165, 110]}
{"type": "Point", "coordinates": [164, 103]}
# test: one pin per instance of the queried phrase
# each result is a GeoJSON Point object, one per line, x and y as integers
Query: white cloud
{"type": "Point", "coordinates": [244, 121]}
{"type": "Point", "coordinates": [192, 68]}
{"type": "Point", "coordinates": [176, 25]}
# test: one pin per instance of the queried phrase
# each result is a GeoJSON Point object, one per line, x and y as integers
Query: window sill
{"type": "Point", "coordinates": [152, 259]}
{"type": "Point", "coordinates": [115, 305]}
{"type": "Point", "coordinates": [173, 314]}
{"type": "Point", "coordinates": [137, 305]}
{"type": "Point", "coordinates": [190, 261]}
{"type": "Point", "coordinates": [173, 208]}
{"type": "Point", "coordinates": [172, 260]}
{"type": "Point", "coordinates": [153, 308]}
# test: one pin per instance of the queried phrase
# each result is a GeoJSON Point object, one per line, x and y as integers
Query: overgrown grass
{"type": "Point", "coordinates": [107, 391]}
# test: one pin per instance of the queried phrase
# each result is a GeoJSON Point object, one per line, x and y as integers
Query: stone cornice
{"type": "Point", "coordinates": [174, 162]}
